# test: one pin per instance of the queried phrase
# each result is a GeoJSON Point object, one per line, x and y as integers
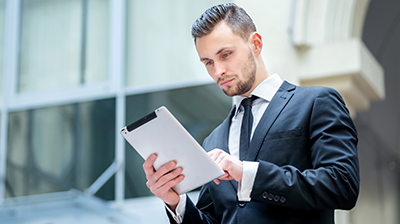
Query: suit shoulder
{"type": "Point", "coordinates": [214, 139]}
{"type": "Point", "coordinates": [209, 141]}
{"type": "Point", "coordinates": [318, 91]}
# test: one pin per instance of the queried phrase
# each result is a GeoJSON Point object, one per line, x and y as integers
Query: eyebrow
{"type": "Point", "coordinates": [218, 52]}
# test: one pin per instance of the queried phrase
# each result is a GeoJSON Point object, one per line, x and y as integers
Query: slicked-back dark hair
{"type": "Point", "coordinates": [234, 16]}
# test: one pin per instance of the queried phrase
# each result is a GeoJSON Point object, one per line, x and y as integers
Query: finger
{"type": "Point", "coordinates": [214, 151]}
{"type": "Point", "coordinates": [214, 154]}
{"type": "Point", "coordinates": [166, 188]}
{"type": "Point", "coordinates": [170, 176]}
{"type": "Point", "coordinates": [148, 164]}
{"type": "Point", "coordinates": [165, 192]}
{"type": "Point", "coordinates": [221, 159]}
{"type": "Point", "coordinates": [225, 176]}
{"type": "Point", "coordinates": [165, 169]}
{"type": "Point", "coordinates": [233, 168]}
{"type": "Point", "coordinates": [228, 177]}
{"type": "Point", "coordinates": [170, 184]}
{"type": "Point", "coordinates": [153, 175]}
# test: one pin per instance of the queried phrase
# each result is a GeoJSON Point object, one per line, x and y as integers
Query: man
{"type": "Point", "coordinates": [301, 162]}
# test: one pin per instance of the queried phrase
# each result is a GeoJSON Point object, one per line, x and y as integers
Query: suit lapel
{"type": "Point", "coordinates": [223, 133]}
{"type": "Point", "coordinates": [223, 136]}
{"type": "Point", "coordinates": [275, 107]}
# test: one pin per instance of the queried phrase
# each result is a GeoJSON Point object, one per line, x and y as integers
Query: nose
{"type": "Point", "coordinates": [219, 69]}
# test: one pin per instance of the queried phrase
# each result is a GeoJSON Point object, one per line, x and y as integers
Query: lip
{"type": "Point", "coordinates": [226, 82]}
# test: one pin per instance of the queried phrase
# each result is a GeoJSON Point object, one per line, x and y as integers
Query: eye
{"type": "Point", "coordinates": [226, 55]}
{"type": "Point", "coordinates": [209, 63]}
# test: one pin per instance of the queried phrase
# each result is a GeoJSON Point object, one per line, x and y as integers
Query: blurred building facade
{"type": "Point", "coordinates": [74, 72]}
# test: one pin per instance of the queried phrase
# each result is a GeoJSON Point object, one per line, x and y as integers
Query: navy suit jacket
{"type": "Point", "coordinates": [306, 146]}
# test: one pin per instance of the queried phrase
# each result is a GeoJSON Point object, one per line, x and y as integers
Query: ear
{"type": "Point", "coordinates": [256, 43]}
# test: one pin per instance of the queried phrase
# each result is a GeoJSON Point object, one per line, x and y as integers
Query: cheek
{"type": "Point", "coordinates": [211, 72]}
{"type": "Point", "coordinates": [237, 64]}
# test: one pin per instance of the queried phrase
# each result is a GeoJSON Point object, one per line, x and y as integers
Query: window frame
{"type": "Point", "coordinates": [114, 87]}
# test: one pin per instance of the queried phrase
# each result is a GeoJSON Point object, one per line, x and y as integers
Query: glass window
{"type": "Point", "coordinates": [97, 38]}
{"type": "Point", "coordinates": [200, 109]}
{"type": "Point", "coordinates": [2, 25]}
{"type": "Point", "coordinates": [64, 43]}
{"type": "Point", "coordinates": [160, 47]}
{"type": "Point", "coordinates": [58, 148]}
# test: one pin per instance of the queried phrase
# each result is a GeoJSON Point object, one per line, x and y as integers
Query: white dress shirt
{"type": "Point", "coordinates": [265, 91]}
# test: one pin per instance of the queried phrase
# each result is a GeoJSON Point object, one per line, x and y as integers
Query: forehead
{"type": "Point", "coordinates": [221, 37]}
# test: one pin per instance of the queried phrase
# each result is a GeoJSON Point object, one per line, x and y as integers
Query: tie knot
{"type": "Point", "coordinates": [248, 101]}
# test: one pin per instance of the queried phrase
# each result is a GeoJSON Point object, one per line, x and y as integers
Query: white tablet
{"type": "Point", "coordinates": [161, 133]}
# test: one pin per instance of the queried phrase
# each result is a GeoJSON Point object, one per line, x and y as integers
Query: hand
{"type": "Point", "coordinates": [233, 167]}
{"type": "Point", "coordinates": [160, 182]}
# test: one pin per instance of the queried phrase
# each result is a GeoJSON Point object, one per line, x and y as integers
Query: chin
{"type": "Point", "coordinates": [230, 93]}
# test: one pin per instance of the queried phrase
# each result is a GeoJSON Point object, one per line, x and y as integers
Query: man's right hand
{"type": "Point", "coordinates": [160, 182]}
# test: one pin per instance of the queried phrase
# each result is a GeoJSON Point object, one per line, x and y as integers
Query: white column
{"type": "Point", "coordinates": [117, 78]}
{"type": "Point", "coordinates": [10, 64]}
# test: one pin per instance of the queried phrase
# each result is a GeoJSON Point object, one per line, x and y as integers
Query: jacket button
{"type": "Point", "coordinates": [276, 198]}
{"type": "Point", "coordinates": [242, 204]}
{"type": "Point", "coordinates": [283, 200]}
{"type": "Point", "coordinates": [265, 195]}
{"type": "Point", "coordinates": [270, 197]}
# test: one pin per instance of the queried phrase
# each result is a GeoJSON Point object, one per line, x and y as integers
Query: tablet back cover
{"type": "Point", "coordinates": [161, 133]}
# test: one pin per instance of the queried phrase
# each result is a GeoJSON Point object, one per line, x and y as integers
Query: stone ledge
{"type": "Point", "coordinates": [348, 67]}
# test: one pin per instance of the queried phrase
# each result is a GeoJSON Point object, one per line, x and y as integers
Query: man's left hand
{"type": "Point", "coordinates": [233, 167]}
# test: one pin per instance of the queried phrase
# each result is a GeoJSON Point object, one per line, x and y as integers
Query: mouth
{"type": "Point", "coordinates": [226, 82]}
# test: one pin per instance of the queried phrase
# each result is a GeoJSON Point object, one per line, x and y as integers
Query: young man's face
{"type": "Point", "coordinates": [229, 60]}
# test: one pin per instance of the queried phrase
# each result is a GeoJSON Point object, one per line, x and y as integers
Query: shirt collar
{"type": "Point", "coordinates": [265, 90]}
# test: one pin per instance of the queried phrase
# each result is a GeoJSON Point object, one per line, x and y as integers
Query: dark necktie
{"type": "Point", "coordinates": [247, 124]}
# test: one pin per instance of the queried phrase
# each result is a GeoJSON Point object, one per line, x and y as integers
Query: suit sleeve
{"type": "Point", "coordinates": [332, 180]}
{"type": "Point", "coordinates": [203, 213]}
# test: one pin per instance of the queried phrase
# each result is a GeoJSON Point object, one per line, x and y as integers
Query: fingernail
{"type": "Point", "coordinates": [178, 170]}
